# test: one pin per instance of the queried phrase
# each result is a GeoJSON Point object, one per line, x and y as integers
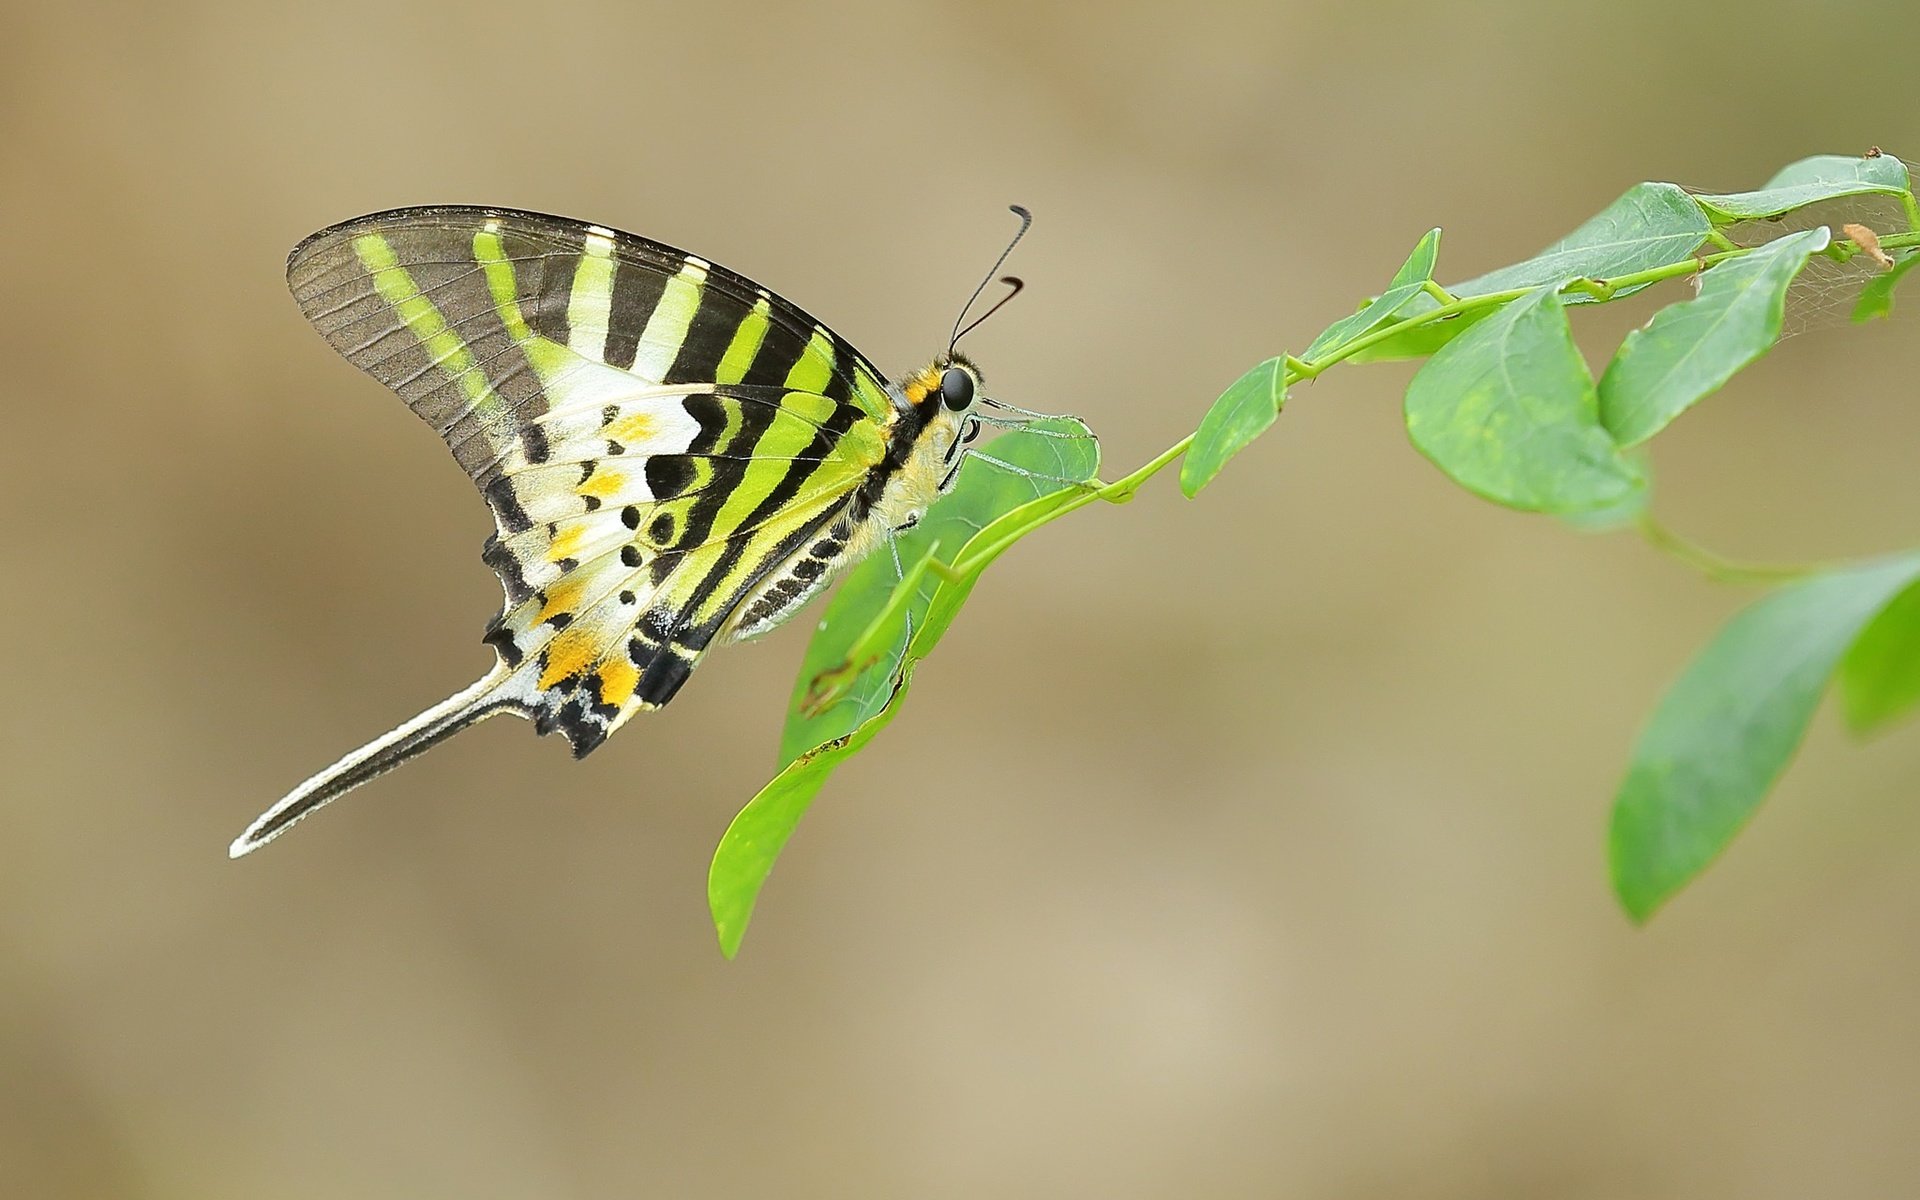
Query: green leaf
{"type": "Point", "coordinates": [1880, 676]}
{"type": "Point", "coordinates": [1651, 225]}
{"type": "Point", "coordinates": [982, 493]}
{"type": "Point", "coordinates": [1809, 181]}
{"type": "Point", "coordinates": [1876, 299]}
{"type": "Point", "coordinates": [745, 856]}
{"type": "Point", "coordinates": [1724, 732]}
{"type": "Point", "coordinates": [1420, 261]}
{"type": "Point", "coordinates": [859, 663]}
{"type": "Point", "coordinates": [1689, 350]}
{"type": "Point", "coordinates": [1243, 412]}
{"type": "Point", "coordinates": [1418, 341]}
{"type": "Point", "coordinates": [1408, 282]}
{"type": "Point", "coordinates": [1509, 412]}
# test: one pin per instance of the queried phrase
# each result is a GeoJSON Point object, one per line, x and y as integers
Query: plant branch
{"type": "Point", "coordinates": [1298, 370]}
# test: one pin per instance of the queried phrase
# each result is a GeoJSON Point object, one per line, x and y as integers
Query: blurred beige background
{"type": "Point", "coordinates": [1242, 848]}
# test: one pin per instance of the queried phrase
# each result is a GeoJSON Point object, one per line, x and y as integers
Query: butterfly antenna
{"type": "Point", "coordinates": [1026, 222]}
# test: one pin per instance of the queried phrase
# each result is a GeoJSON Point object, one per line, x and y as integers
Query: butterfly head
{"type": "Point", "coordinates": [944, 398]}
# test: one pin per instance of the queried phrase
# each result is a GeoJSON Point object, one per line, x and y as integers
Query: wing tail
{"type": "Point", "coordinates": [487, 697]}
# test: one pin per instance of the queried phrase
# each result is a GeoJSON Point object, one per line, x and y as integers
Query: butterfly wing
{"type": "Point", "coordinates": [655, 434]}
{"type": "Point", "coordinates": [671, 452]}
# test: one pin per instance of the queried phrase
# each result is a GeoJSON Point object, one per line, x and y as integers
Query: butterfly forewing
{"type": "Point", "coordinates": [484, 318]}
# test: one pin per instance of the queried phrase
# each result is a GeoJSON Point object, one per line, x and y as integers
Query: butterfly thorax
{"type": "Point", "coordinates": [922, 444]}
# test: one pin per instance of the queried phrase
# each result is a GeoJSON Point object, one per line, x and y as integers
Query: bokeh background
{"type": "Point", "coordinates": [1242, 848]}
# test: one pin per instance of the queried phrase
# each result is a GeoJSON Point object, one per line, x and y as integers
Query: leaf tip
{"type": "Point", "coordinates": [1193, 480]}
{"type": "Point", "coordinates": [1638, 896]}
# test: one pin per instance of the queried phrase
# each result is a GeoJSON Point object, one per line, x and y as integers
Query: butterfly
{"type": "Point", "coordinates": [674, 456]}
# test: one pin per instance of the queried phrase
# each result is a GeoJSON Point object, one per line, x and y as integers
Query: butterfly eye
{"type": "Point", "coordinates": [956, 388]}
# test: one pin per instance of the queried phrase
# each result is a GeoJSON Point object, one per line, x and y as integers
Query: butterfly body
{"type": "Point", "coordinates": [674, 456]}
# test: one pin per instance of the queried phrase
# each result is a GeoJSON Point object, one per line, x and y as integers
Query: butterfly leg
{"type": "Point", "coordinates": [1026, 472]}
{"type": "Point", "coordinates": [1027, 423]}
{"type": "Point", "coordinates": [900, 578]}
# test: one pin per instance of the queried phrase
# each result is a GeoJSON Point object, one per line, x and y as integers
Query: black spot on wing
{"type": "Point", "coordinates": [501, 639]}
{"type": "Point", "coordinates": [502, 562]}
{"type": "Point", "coordinates": [664, 674]}
{"type": "Point", "coordinates": [533, 443]}
{"type": "Point", "coordinates": [506, 506]}
{"type": "Point", "coordinates": [667, 476]}
{"type": "Point", "coordinates": [710, 414]}
{"type": "Point", "coordinates": [574, 718]}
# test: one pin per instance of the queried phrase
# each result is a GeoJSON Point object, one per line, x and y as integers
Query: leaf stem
{"type": "Point", "coordinates": [1713, 566]}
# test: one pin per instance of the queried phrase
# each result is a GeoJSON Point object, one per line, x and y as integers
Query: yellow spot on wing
{"type": "Point", "coordinates": [601, 484]}
{"type": "Point", "coordinates": [567, 655]}
{"type": "Point", "coordinates": [618, 678]}
{"type": "Point", "coordinates": [562, 597]}
{"type": "Point", "coordinates": [568, 544]}
{"type": "Point", "coordinates": [632, 429]}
